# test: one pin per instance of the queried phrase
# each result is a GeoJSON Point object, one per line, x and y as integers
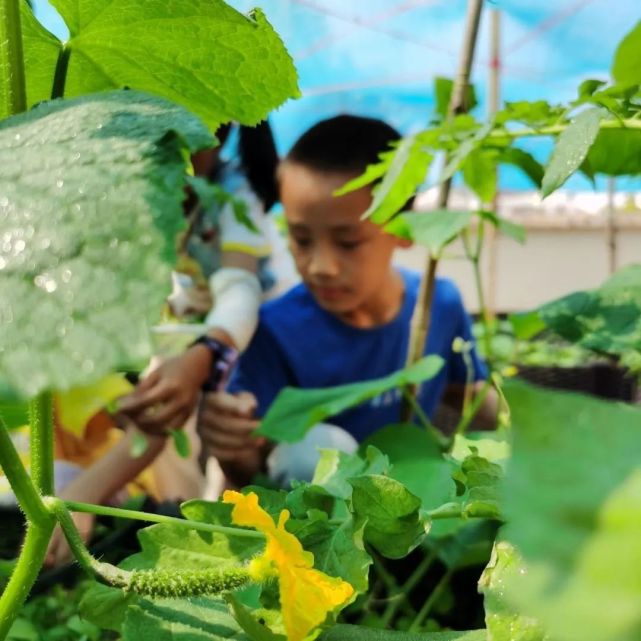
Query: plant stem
{"type": "Point", "coordinates": [60, 76]}
{"type": "Point", "coordinates": [407, 587]}
{"type": "Point", "coordinates": [419, 329]}
{"type": "Point", "coordinates": [26, 572]}
{"type": "Point", "coordinates": [458, 511]}
{"type": "Point", "coordinates": [424, 419]}
{"type": "Point", "coordinates": [41, 423]}
{"type": "Point", "coordinates": [135, 515]}
{"type": "Point", "coordinates": [22, 486]}
{"type": "Point", "coordinates": [429, 603]}
{"type": "Point", "coordinates": [469, 415]}
{"type": "Point", "coordinates": [553, 130]}
{"type": "Point", "coordinates": [12, 78]}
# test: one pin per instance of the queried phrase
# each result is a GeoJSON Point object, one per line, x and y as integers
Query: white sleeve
{"type": "Point", "coordinates": [237, 295]}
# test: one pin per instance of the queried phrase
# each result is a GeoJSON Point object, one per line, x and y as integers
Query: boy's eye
{"type": "Point", "coordinates": [301, 241]}
{"type": "Point", "coordinates": [349, 244]}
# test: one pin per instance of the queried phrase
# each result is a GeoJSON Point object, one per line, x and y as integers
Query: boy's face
{"type": "Point", "coordinates": [344, 261]}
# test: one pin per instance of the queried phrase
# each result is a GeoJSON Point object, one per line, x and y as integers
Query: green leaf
{"type": "Point", "coordinates": [469, 546]}
{"type": "Point", "coordinates": [502, 621]}
{"type": "Point", "coordinates": [526, 325]}
{"type": "Point", "coordinates": [464, 149]}
{"type": "Point", "coordinates": [616, 152]}
{"type": "Point", "coordinates": [524, 161]}
{"type": "Point", "coordinates": [512, 230]}
{"type": "Point", "coordinates": [407, 169]}
{"type": "Point", "coordinates": [589, 86]}
{"type": "Point", "coordinates": [417, 462]}
{"type": "Point", "coordinates": [443, 88]}
{"type": "Point", "coordinates": [481, 481]}
{"type": "Point", "coordinates": [535, 114]}
{"type": "Point", "coordinates": [181, 443]}
{"type": "Point", "coordinates": [571, 149]}
{"type": "Point", "coordinates": [606, 320]}
{"type": "Point", "coordinates": [489, 445]}
{"type": "Point", "coordinates": [338, 549]}
{"type": "Point", "coordinates": [256, 630]}
{"type": "Point", "coordinates": [202, 54]}
{"type": "Point", "coordinates": [390, 512]}
{"type": "Point", "coordinates": [572, 499]}
{"type": "Point", "coordinates": [372, 174]}
{"type": "Point", "coordinates": [361, 633]}
{"type": "Point", "coordinates": [296, 410]}
{"type": "Point", "coordinates": [41, 51]}
{"type": "Point", "coordinates": [335, 468]}
{"type": "Point", "coordinates": [105, 606]}
{"type": "Point", "coordinates": [70, 264]}
{"type": "Point", "coordinates": [626, 67]}
{"type": "Point", "coordinates": [479, 173]}
{"type": "Point", "coordinates": [433, 229]}
{"type": "Point", "coordinates": [195, 619]}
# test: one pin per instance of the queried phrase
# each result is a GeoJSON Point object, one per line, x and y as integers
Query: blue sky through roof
{"type": "Point", "coordinates": [379, 57]}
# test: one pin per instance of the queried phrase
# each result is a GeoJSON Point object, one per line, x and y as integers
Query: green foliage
{"type": "Point", "coordinates": [53, 617]}
{"type": "Point", "coordinates": [571, 149]}
{"type": "Point", "coordinates": [616, 152]}
{"type": "Point", "coordinates": [182, 50]}
{"type": "Point", "coordinates": [443, 88]}
{"type": "Point", "coordinates": [479, 173]}
{"type": "Point", "coordinates": [434, 230]}
{"type": "Point", "coordinates": [297, 410]}
{"type": "Point", "coordinates": [197, 619]}
{"type": "Point", "coordinates": [358, 633]}
{"type": "Point", "coordinates": [70, 266]}
{"type": "Point", "coordinates": [390, 513]}
{"type": "Point", "coordinates": [572, 506]}
{"type": "Point", "coordinates": [417, 462]}
{"type": "Point", "coordinates": [606, 320]}
{"type": "Point", "coordinates": [626, 67]}
{"type": "Point", "coordinates": [503, 622]}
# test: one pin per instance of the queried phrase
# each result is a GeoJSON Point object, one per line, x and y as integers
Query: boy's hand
{"type": "Point", "coordinates": [226, 426]}
{"type": "Point", "coordinates": [165, 399]}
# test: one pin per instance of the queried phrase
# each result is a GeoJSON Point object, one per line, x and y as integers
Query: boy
{"type": "Point", "coordinates": [349, 319]}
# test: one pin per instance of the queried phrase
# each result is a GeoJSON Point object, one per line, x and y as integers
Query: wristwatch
{"type": "Point", "coordinates": [223, 358]}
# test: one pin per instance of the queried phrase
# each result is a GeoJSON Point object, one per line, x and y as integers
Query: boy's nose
{"type": "Point", "coordinates": [323, 262]}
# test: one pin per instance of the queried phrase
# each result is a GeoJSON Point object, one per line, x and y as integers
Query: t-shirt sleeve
{"type": "Point", "coordinates": [261, 370]}
{"type": "Point", "coordinates": [236, 235]}
{"type": "Point", "coordinates": [458, 367]}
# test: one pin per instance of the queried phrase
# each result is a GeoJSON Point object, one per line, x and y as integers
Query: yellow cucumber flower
{"type": "Point", "coordinates": [306, 595]}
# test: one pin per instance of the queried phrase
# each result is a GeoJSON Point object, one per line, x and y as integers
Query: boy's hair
{"type": "Point", "coordinates": [343, 144]}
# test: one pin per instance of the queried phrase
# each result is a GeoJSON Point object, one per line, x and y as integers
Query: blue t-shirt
{"type": "Point", "coordinates": [299, 344]}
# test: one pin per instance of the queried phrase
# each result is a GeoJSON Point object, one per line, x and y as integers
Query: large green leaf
{"type": "Point", "coordinates": [361, 633]}
{"type": "Point", "coordinates": [195, 619]}
{"type": "Point", "coordinates": [524, 161]}
{"type": "Point", "coordinates": [626, 67]}
{"type": "Point", "coordinates": [390, 512]}
{"type": "Point", "coordinates": [296, 410]}
{"type": "Point", "coordinates": [91, 203]}
{"type": "Point", "coordinates": [406, 171]}
{"type": "Point", "coordinates": [572, 501]}
{"type": "Point", "coordinates": [202, 54]}
{"type": "Point", "coordinates": [433, 229]}
{"type": "Point", "coordinates": [41, 51]}
{"type": "Point", "coordinates": [335, 468]}
{"type": "Point", "coordinates": [479, 173]}
{"type": "Point", "coordinates": [417, 462]}
{"type": "Point", "coordinates": [503, 623]}
{"type": "Point", "coordinates": [571, 149]}
{"type": "Point", "coordinates": [338, 549]}
{"type": "Point", "coordinates": [607, 320]}
{"type": "Point", "coordinates": [616, 152]}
